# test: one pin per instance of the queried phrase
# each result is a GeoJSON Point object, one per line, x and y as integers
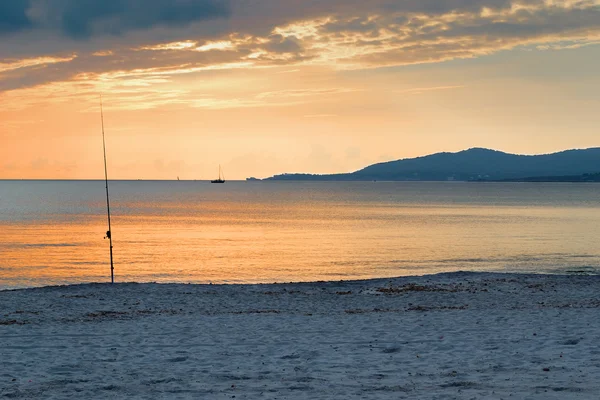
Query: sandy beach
{"type": "Point", "coordinates": [448, 336]}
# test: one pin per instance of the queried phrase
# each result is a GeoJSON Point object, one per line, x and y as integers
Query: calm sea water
{"type": "Point", "coordinates": [51, 232]}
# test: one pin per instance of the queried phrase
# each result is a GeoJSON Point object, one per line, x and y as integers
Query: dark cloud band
{"type": "Point", "coordinates": [13, 16]}
{"type": "Point", "coordinates": [82, 19]}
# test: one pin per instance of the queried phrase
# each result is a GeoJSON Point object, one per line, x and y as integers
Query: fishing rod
{"type": "Point", "coordinates": [108, 233]}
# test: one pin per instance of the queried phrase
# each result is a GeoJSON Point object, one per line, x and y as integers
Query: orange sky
{"type": "Point", "coordinates": [269, 87]}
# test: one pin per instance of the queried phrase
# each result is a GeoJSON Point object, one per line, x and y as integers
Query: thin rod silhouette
{"type": "Point", "coordinates": [108, 233]}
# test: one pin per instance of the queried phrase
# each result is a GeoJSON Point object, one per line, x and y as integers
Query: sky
{"type": "Point", "coordinates": [264, 87]}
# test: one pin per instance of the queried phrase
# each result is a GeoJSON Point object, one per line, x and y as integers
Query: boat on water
{"type": "Point", "coordinates": [221, 177]}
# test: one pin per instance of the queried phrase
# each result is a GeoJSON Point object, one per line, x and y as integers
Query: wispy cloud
{"type": "Point", "coordinates": [187, 44]}
{"type": "Point", "coordinates": [33, 62]}
{"type": "Point", "coordinates": [576, 44]}
{"type": "Point", "coordinates": [290, 71]}
{"type": "Point", "coordinates": [220, 45]}
{"type": "Point", "coordinates": [101, 53]}
{"type": "Point", "coordinates": [321, 116]}
{"type": "Point", "coordinates": [429, 89]}
{"type": "Point", "coordinates": [303, 93]}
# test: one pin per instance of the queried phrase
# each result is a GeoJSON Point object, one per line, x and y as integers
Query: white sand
{"type": "Point", "coordinates": [457, 336]}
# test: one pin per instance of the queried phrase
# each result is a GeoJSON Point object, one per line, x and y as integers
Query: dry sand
{"type": "Point", "coordinates": [449, 336]}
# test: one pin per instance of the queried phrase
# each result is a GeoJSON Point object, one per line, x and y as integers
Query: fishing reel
{"type": "Point", "coordinates": [107, 235]}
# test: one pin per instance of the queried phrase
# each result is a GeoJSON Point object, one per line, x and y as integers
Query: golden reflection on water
{"type": "Point", "coordinates": [232, 241]}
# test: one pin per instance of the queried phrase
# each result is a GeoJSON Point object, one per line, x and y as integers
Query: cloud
{"type": "Point", "coordinates": [83, 19]}
{"type": "Point", "coordinates": [32, 62]}
{"type": "Point", "coordinates": [160, 39]}
{"type": "Point", "coordinates": [187, 44]}
{"type": "Point", "coordinates": [407, 36]}
{"type": "Point", "coordinates": [13, 16]}
{"type": "Point", "coordinates": [360, 24]}
{"type": "Point", "coordinates": [281, 44]}
{"type": "Point", "coordinates": [221, 45]}
{"type": "Point", "coordinates": [429, 89]}
{"type": "Point", "coordinates": [320, 116]}
{"type": "Point", "coordinates": [303, 93]}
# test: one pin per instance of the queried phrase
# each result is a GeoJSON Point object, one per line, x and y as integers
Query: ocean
{"type": "Point", "coordinates": [51, 232]}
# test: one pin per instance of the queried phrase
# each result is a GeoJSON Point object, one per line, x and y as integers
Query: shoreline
{"type": "Point", "coordinates": [567, 273]}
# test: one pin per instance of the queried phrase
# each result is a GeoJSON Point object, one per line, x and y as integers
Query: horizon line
{"type": "Point", "coordinates": [297, 173]}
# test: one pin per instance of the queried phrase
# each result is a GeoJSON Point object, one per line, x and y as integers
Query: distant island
{"type": "Point", "coordinates": [476, 164]}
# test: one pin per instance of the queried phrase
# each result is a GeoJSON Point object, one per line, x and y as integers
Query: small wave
{"type": "Point", "coordinates": [583, 270]}
{"type": "Point", "coordinates": [42, 245]}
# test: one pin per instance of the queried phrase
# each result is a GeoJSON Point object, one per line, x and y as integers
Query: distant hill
{"type": "Point", "coordinates": [472, 165]}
